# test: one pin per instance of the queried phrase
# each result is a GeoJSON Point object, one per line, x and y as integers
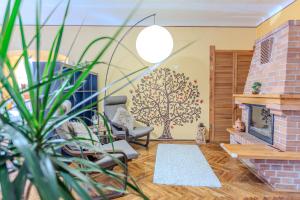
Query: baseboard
{"type": "Point", "coordinates": [175, 140]}
{"type": "Point", "coordinates": [187, 140]}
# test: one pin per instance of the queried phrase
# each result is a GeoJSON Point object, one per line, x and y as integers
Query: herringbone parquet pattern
{"type": "Point", "coordinates": [237, 181]}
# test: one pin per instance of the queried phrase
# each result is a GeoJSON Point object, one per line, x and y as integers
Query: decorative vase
{"type": "Point", "coordinates": [201, 134]}
{"type": "Point", "coordinates": [239, 126]}
{"type": "Point", "coordinates": [255, 91]}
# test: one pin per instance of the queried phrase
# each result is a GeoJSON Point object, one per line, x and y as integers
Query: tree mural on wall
{"type": "Point", "coordinates": [166, 98]}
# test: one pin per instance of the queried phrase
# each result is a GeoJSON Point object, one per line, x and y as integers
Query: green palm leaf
{"type": "Point", "coordinates": [27, 145]}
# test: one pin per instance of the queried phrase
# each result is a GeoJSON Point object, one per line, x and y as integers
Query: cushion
{"type": "Point", "coordinates": [65, 131]}
{"type": "Point", "coordinates": [122, 145]}
{"type": "Point", "coordinates": [115, 100]}
{"type": "Point", "coordinates": [112, 103]}
{"type": "Point", "coordinates": [124, 118]}
{"type": "Point", "coordinates": [111, 110]}
{"type": "Point", "coordinates": [80, 130]}
{"type": "Point", "coordinates": [140, 131]}
{"type": "Point", "coordinates": [108, 161]}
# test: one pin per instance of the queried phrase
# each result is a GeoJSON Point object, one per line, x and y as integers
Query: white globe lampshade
{"type": "Point", "coordinates": [154, 44]}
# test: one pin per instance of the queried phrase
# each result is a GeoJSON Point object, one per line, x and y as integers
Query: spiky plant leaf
{"type": "Point", "coordinates": [28, 149]}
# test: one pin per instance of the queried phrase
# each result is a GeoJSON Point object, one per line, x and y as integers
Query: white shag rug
{"type": "Point", "coordinates": [184, 165]}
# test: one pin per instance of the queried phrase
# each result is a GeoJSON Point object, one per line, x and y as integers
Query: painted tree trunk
{"type": "Point", "coordinates": [166, 98]}
{"type": "Point", "coordinates": [167, 131]}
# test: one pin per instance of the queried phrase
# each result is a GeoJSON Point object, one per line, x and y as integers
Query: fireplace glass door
{"type": "Point", "coordinates": [261, 123]}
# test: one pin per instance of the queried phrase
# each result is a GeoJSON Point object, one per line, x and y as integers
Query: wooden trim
{"type": "Point", "coordinates": [272, 101]}
{"type": "Point", "coordinates": [258, 151]}
{"type": "Point", "coordinates": [273, 96]}
{"type": "Point", "coordinates": [246, 52]}
{"type": "Point", "coordinates": [234, 86]}
{"type": "Point", "coordinates": [230, 130]}
{"type": "Point", "coordinates": [211, 94]}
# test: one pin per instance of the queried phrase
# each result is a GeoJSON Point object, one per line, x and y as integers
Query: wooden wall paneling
{"type": "Point", "coordinates": [211, 94]}
{"type": "Point", "coordinates": [234, 82]}
{"type": "Point", "coordinates": [228, 73]}
{"type": "Point", "coordinates": [222, 94]}
{"type": "Point", "coordinates": [243, 63]}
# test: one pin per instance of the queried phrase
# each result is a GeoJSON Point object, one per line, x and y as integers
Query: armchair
{"type": "Point", "coordinates": [106, 159]}
{"type": "Point", "coordinates": [119, 150]}
{"type": "Point", "coordinates": [111, 105]}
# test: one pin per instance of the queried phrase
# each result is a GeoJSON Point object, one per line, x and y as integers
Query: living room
{"type": "Point", "coordinates": [150, 99]}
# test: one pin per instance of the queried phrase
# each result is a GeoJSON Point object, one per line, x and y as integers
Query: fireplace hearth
{"type": "Point", "coordinates": [261, 122]}
{"type": "Point", "coordinates": [273, 115]}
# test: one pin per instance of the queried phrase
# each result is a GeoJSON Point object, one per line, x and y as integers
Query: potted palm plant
{"type": "Point", "coordinates": [28, 153]}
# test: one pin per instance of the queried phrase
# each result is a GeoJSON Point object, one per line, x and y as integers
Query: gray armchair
{"type": "Point", "coordinates": [117, 150]}
{"type": "Point", "coordinates": [122, 151]}
{"type": "Point", "coordinates": [111, 105]}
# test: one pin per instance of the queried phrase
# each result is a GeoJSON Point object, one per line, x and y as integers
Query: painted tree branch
{"type": "Point", "coordinates": [166, 98]}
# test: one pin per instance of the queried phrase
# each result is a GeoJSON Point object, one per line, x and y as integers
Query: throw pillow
{"type": "Point", "coordinates": [124, 118]}
{"type": "Point", "coordinates": [80, 130]}
{"type": "Point", "coordinates": [65, 131]}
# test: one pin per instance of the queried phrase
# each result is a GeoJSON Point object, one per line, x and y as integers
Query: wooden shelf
{"type": "Point", "coordinates": [272, 101]}
{"type": "Point", "coordinates": [258, 151]}
{"type": "Point", "coordinates": [232, 131]}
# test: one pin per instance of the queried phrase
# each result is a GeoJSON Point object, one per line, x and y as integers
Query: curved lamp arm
{"type": "Point", "coordinates": [120, 41]}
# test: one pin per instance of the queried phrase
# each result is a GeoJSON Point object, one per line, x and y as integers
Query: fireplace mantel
{"type": "Point", "coordinates": [271, 101]}
{"type": "Point", "coordinates": [280, 93]}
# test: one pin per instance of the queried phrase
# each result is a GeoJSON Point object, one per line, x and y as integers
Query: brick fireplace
{"type": "Point", "coordinates": [276, 64]}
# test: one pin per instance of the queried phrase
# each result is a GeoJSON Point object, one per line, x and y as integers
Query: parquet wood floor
{"type": "Point", "coordinates": [237, 181]}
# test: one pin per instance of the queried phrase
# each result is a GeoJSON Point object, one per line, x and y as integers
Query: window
{"type": "Point", "coordinates": [89, 88]}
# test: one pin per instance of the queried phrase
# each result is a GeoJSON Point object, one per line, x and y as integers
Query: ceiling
{"type": "Point", "coordinates": [246, 13]}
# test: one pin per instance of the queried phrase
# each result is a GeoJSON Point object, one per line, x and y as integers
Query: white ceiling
{"type": "Point", "coordinates": [246, 13]}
